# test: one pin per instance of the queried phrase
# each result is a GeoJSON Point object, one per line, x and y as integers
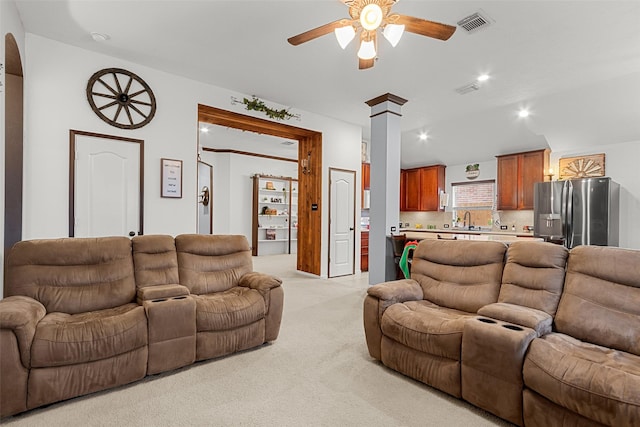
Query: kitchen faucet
{"type": "Point", "coordinates": [464, 219]}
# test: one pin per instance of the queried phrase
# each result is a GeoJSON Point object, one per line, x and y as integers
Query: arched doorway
{"type": "Point", "coordinates": [13, 140]}
{"type": "Point", "coordinates": [309, 180]}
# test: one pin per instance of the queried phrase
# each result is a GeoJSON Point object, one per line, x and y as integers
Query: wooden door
{"type": "Point", "coordinates": [432, 183]}
{"type": "Point", "coordinates": [531, 171]}
{"type": "Point", "coordinates": [508, 182]}
{"type": "Point", "coordinates": [412, 190]}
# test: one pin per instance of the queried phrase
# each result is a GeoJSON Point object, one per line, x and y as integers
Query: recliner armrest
{"type": "Point", "coordinates": [21, 314]}
{"type": "Point", "coordinates": [396, 291]}
{"type": "Point", "coordinates": [259, 281]}
{"type": "Point", "coordinates": [537, 320]}
{"type": "Point", "coordinates": [155, 292]}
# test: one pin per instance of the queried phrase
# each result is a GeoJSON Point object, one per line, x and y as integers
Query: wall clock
{"type": "Point", "coordinates": [121, 98]}
{"type": "Point", "coordinates": [582, 167]}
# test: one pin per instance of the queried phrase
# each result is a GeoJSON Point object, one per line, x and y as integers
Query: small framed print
{"type": "Point", "coordinates": [171, 178]}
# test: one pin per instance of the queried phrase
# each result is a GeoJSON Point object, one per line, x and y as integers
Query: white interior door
{"type": "Point", "coordinates": [205, 199]}
{"type": "Point", "coordinates": [107, 187]}
{"type": "Point", "coordinates": [342, 222]}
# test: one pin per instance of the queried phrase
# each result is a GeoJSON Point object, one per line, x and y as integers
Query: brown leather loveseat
{"type": "Point", "coordinates": [533, 333]}
{"type": "Point", "coordinates": [83, 315]}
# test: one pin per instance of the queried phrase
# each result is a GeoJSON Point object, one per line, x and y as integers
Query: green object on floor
{"type": "Point", "coordinates": [404, 259]}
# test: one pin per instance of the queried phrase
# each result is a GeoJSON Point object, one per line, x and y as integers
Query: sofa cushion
{"type": "Point", "coordinates": [212, 263]}
{"type": "Point", "coordinates": [534, 275]}
{"type": "Point", "coordinates": [426, 327]}
{"type": "Point", "coordinates": [595, 382]}
{"type": "Point", "coordinates": [155, 260]}
{"type": "Point", "coordinates": [66, 339]}
{"type": "Point", "coordinates": [73, 275]}
{"type": "Point", "coordinates": [230, 309]}
{"type": "Point", "coordinates": [460, 274]}
{"type": "Point", "coordinates": [601, 298]}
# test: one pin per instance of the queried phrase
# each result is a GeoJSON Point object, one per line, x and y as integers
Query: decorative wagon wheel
{"type": "Point", "coordinates": [121, 98]}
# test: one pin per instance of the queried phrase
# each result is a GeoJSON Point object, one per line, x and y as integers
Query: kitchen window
{"type": "Point", "coordinates": [476, 198]}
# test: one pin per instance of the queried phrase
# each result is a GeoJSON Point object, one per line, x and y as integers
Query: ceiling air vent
{"type": "Point", "coordinates": [471, 87]}
{"type": "Point", "coordinates": [476, 22]}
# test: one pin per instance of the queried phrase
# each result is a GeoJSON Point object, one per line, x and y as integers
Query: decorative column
{"type": "Point", "coordinates": [385, 184]}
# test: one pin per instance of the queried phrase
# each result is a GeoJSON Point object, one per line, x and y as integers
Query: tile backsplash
{"type": "Point", "coordinates": [519, 219]}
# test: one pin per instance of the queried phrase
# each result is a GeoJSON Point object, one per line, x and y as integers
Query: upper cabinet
{"type": "Point", "coordinates": [516, 175]}
{"type": "Point", "coordinates": [366, 176]}
{"type": "Point", "coordinates": [420, 188]}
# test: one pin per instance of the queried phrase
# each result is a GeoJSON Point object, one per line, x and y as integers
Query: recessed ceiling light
{"type": "Point", "coordinates": [100, 37]}
{"type": "Point", "coordinates": [204, 129]}
{"type": "Point", "coordinates": [423, 136]}
{"type": "Point", "coordinates": [483, 77]}
{"type": "Point", "coordinates": [523, 113]}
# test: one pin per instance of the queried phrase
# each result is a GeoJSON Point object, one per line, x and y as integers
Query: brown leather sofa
{"type": "Point", "coordinates": [83, 315]}
{"type": "Point", "coordinates": [559, 345]}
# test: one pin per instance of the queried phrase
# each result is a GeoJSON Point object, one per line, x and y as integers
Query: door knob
{"type": "Point", "coordinates": [132, 233]}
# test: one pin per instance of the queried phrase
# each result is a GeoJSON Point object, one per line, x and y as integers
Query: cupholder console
{"type": "Point", "coordinates": [492, 357]}
{"type": "Point", "coordinates": [172, 333]}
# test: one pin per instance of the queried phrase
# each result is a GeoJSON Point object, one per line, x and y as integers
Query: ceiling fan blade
{"type": "Point", "coordinates": [317, 32]}
{"type": "Point", "coordinates": [423, 27]}
{"type": "Point", "coordinates": [363, 64]}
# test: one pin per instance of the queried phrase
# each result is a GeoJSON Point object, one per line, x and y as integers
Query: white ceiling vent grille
{"type": "Point", "coordinates": [471, 87]}
{"type": "Point", "coordinates": [476, 22]}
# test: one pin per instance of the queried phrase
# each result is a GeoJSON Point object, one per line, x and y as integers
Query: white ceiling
{"type": "Point", "coordinates": [575, 64]}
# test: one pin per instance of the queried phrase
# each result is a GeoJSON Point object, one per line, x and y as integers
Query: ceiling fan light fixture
{"type": "Point", "coordinates": [344, 35]}
{"type": "Point", "coordinates": [371, 17]}
{"type": "Point", "coordinates": [367, 50]}
{"type": "Point", "coordinates": [393, 33]}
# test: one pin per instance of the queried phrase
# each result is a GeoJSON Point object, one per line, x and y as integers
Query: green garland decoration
{"type": "Point", "coordinates": [257, 104]}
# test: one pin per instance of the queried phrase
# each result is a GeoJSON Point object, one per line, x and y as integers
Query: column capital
{"type": "Point", "coordinates": [384, 98]}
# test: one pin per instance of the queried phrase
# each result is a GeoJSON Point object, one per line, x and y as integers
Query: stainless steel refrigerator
{"type": "Point", "coordinates": [577, 212]}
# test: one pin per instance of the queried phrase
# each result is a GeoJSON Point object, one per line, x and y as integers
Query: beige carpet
{"type": "Point", "coordinates": [317, 373]}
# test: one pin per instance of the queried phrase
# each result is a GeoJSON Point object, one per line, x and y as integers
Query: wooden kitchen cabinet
{"type": "Point", "coordinates": [366, 176]}
{"type": "Point", "coordinates": [364, 251]}
{"type": "Point", "coordinates": [420, 188]}
{"type": "Point", "coordinates": [516, 175]}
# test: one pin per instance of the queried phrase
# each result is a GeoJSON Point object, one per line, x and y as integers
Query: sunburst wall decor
{"type": "Point", "coordinates": [582, 167]}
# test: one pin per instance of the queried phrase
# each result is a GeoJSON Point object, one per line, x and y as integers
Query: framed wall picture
{"type": "Point", "coordinates": [171, 178]}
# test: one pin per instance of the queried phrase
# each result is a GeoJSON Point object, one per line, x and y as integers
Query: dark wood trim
{"type": "Point", "coordinates": [386, 97]}
{"type": "Point", "coordinates": [13, 145]}
{"type": "Point", "coordinates": [72, 170]}
{"type": "Point", "coordinates": [309, 185]}
{"type": "Point", "coordinates": [355, 193]}
{"type": "Point", "coordinates": [385, 112]}
{"type": "Point", "coordinates": [247, 153]}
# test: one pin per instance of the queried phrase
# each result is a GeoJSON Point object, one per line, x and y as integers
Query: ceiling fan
{"type": "Point", "coordinates": [367, 16]}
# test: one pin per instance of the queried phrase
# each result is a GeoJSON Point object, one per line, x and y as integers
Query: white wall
{"type": "Point", "coordinates": [232, 175]}
{"type": "Point", "coordinates": [55, 100]}
{"type": "Point", "coordinates": [9, 23]}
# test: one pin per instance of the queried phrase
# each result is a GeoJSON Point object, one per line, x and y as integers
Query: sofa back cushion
{"type": "Point", "coordinates": [600, 303]}
{"type": "Point", "coordinates": [212, 263]}
{"type": "Point", "coordinates": [460, 274]}
{"type": "Point", "coordinates": [534, 275]}
{"type": "Point", "coordinates": [73, 275]}
{"type": "Point", "coordinates": [155, 260]}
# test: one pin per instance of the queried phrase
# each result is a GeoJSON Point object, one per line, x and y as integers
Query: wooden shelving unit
{"type": "Point", "coordinates": [275, 215]}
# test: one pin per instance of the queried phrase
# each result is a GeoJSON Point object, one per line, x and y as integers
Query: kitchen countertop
{"type": "Point", "coordinates": [503, 236]}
